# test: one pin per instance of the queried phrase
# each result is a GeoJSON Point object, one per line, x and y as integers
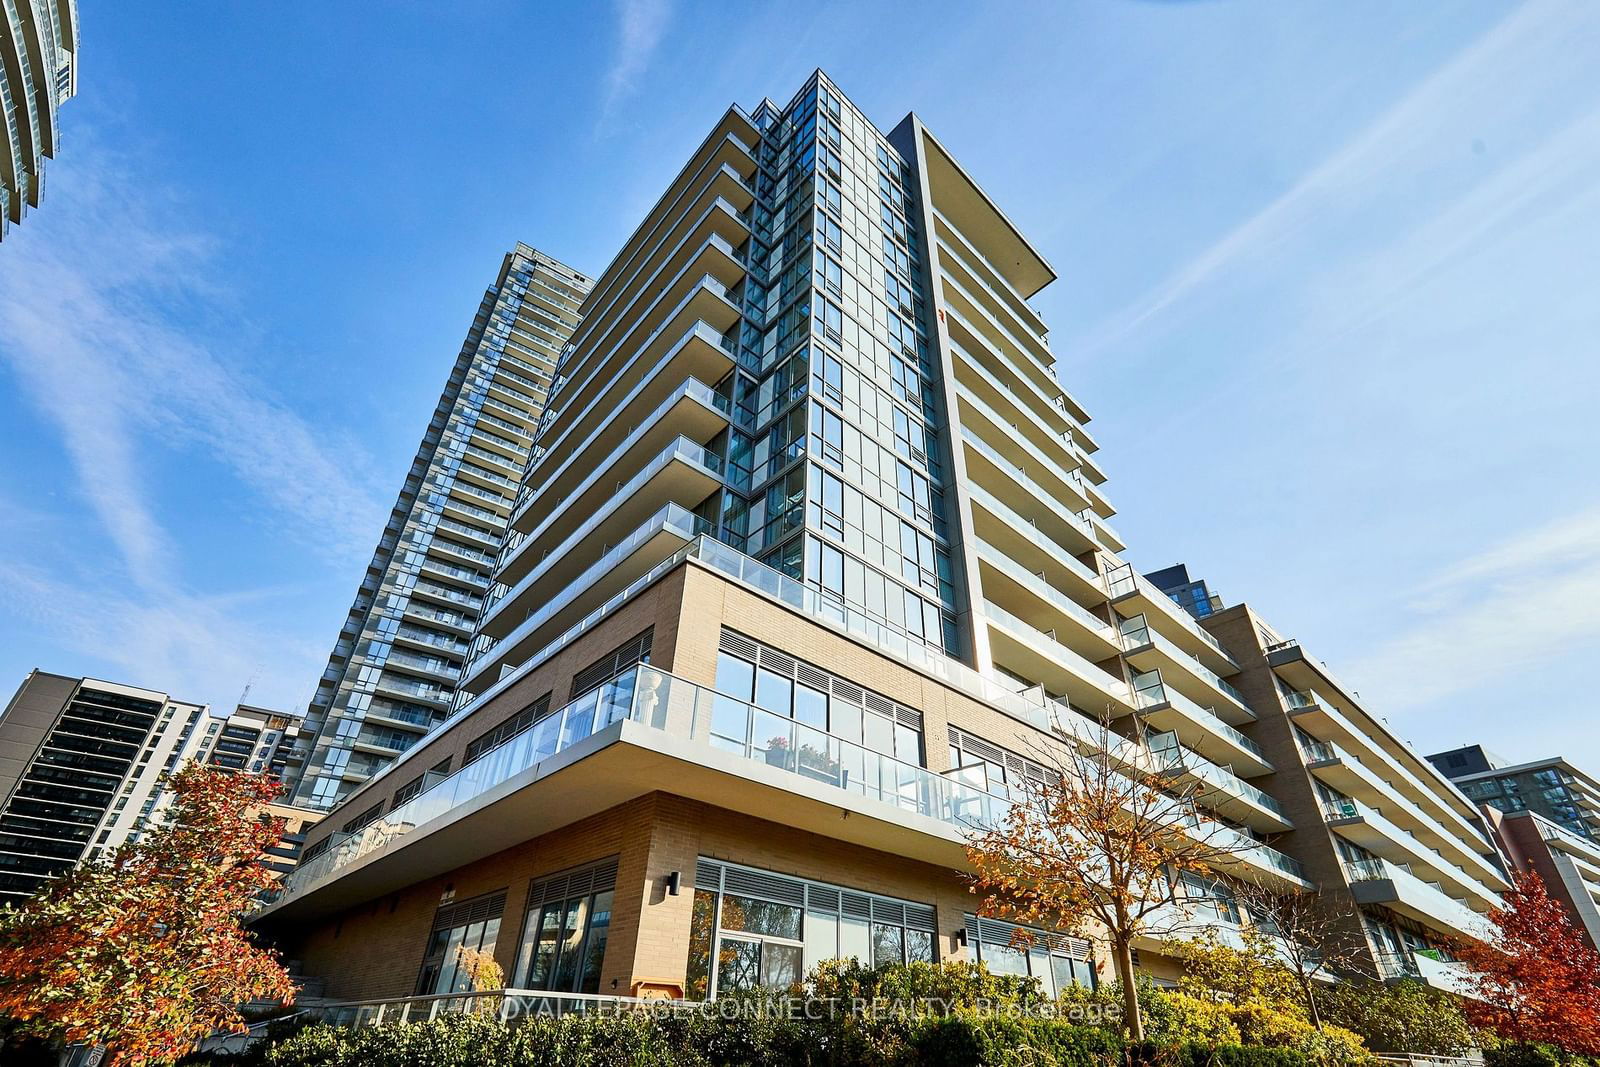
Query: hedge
{"type": "Point", "coordinates": [694, 1041]}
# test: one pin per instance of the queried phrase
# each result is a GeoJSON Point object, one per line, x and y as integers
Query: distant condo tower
{"type": "Point", "coordinates": [393, 672]}
{"type": "Point", "coordinates": [38, 72]}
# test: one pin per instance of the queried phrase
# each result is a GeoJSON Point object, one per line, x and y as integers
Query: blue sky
{"type": "Point", "coordinates": [1328, 284]}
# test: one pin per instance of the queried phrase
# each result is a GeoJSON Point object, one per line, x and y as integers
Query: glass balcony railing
{"type": "Point", "coordinates": [1045, 591]}
{"type": "Point", "coordinates": [1124, 580]}
{"type": "Point", "coordinates": [419, 690]}
{"type": "Point", "coordinates": [422, 663]}
{"type": "Point", "coordinates": [1150, 691]}
{"type": "Point", "coordinates": [676, 707]}
{"type": "Point", "coordinates": [1177, 757]}
{"type": "Point", "coordinates": [1079, 520]}
{"type": "Point", "coordinates": [579, 460]}
{"type": "Point", "coordinates": [1057, 551]}
{"type": "Point", "coordinates": [1080, 666]}
{"type": "Point", "coordinates": [1426, 896]}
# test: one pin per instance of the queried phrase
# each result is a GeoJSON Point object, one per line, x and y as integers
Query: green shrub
{"type": "Point", "coordinates": [1399, 1017]}
{"type": "Point", "coordinates": [1521, 1055]}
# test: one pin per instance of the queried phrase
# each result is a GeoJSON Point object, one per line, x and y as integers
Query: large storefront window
{"type": "Point", "coordinates": [1056, 960]}
{"type": "Point", "coordinates": [565, 930]}
{"type": "Point", "coordinates": [471, 926]}
{"type": "Point", "coordinates": [757, 928]}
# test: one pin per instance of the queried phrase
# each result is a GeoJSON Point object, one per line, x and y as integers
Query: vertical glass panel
{"type": "Point", "coordinates": [907, 744]}
{"type": "Point", "coordinates": [738, 964]}
{"type": "Point", "coordinates": [594, 944]}
{"type": "Point", "coordinates": [702, 925]}
{"type": "Point", "coordinates": [772, 736]}
{"type": "Point", "coordinates": [822, 937]}
{"type": "Point", "coordinates": [888, 944]}
{"type": "Point", "coordinates": [811, 706]}
{"type": "Point", "coordinates": [578, 722]}
{"type": "Point", "coordinates": [919, 946]}
{"type": "Point", "coordinates": [844, 719]}
{"type": "Point", "coordinates": [571, 935]}
{"type": "Point", "coordinates": [774, 692]}
{"type": "Point", "coordinates": [735, 676]}
{"type": "Point", "coordinates": [855, 939]}
{"type": "Point", "coordinates": [878, 733]}
{"type": "Point", "coordinates": [780, 964]}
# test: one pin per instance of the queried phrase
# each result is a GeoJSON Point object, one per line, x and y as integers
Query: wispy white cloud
{"type": "Point", "coordinates": [1530, 601]}
{"type": "Point", "coordinates": [116, 331]}
{"type": "Point", "coordinates": [1518, 68]}
{"type": "Point", "coordinates": [96, 302]}
{"type": "Point", "coordinates": [640, 26]}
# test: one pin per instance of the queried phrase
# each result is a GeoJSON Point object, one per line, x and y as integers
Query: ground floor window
{"type": "Point", "coordinates": [1056, 960]}
{"type": "Point", "coordinates": [757, 928]}
{"type": "Point", "coordinates": [565, 930]}
{"type": "Point", "coordinates": [459, 929]}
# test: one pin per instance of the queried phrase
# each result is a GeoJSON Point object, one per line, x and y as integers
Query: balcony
{"type": "Point", "coordinates": [1448, 975]}
{"type": "Point", "coordinates": [683, 473]}
{"type": "Point", "coordinates": [569, 583]}
{"type": "Point", "coordinates": [996, 523]}
{"type": "Point", "coordinates": [644, 731]}
{"type": "Point", "coordinates": [1133, 593]}
{"type": "Point", "coordinates": [1148, 650]}
{"type": "Point", "coordinates": [1037, 506]}
{"type": "Point", "coordinates": [698, 353]}
{"type": "Point", "coordinates": [699, 291]}
{"type": "Point", "coordinates": [1038, 654]}
{"type": "Point", "coordinates": [592, 471]}
{"type": "Point", "coordinates": [1368, 828]}
{"type": "Point", "coordinates": [1377, 881]}
{"type": "Point", "coordinates": [1352, 777]}
{"type": "Point", "coordinates": [1167, 709]}
{"type": "Point", "coordinates": [433, 694]}
{"type": "Point", "coordinates": [1054, 468]}
{"type": "Point", "coordinates": [1321, 718]}
{"type": "Point", "coordinates": [1218, 788]}
{"type": "Point", "coordinates": [1033, 597]}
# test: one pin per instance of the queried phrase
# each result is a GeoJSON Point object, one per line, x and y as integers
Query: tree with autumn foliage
{"type": "Point", "coordinates": [1096, 847]}
{"type": "Point", "coordinates": [1536, 979]}
{"type": "Point", "coordinates": [143, 951]}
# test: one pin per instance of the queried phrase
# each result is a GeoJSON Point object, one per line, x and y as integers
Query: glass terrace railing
{"type": "Point", "coordinates": [1178, 757]}
{"type": "Point", "coordinates": [1125, 579]}
{"type": "Point", "coordinates": [1149, 690]}
{"type": "Point", "coordinates": [1077, 664]}
{"type": "Point", "coordinates": [1429, 895]}
{"type": "Point", "coordinates": [676, 707]}
{"type": "Point", "coordinates": [1053, 548]}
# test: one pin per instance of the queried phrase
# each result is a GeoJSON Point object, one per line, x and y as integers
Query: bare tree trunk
{"type": "Point", "coordinates": [1309, 992]}
{"type": "Point", "coordinates": [1122, 956]}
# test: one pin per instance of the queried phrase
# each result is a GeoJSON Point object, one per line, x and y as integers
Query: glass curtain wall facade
{"type": "Point", "coordinates": [393, 672]}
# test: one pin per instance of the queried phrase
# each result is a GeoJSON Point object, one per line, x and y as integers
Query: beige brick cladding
{"type": "Point", "coordinates": [375, 949]}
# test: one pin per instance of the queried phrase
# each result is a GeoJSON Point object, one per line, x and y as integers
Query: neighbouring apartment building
{"type": "Point", "coordinates": [1568, 864]}
{"type": "Point", "coordinates": [1553, 788]}
{"type": "Point", "coordinates": [81, 762]}
{"type": "Point", "coordinates": [393, 671]}
{"type": "Point", "coordinates": [38, 73]}
{"type": "Point", "coordinates": [262, 741]}
{"type": "Point", "coordinates": [810, 567]}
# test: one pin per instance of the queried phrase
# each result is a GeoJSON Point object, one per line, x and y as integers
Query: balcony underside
{"type": "Point", "coordinates": [556, 608]}
{"type": "Point", "coordinates": [1032, 658]}
{"type": "Point", "coordinates": [582, 411]}
{"type": "Point", "coordinates": [590, 478]}
{"type": "Point", "coordinates": [679, 481]}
